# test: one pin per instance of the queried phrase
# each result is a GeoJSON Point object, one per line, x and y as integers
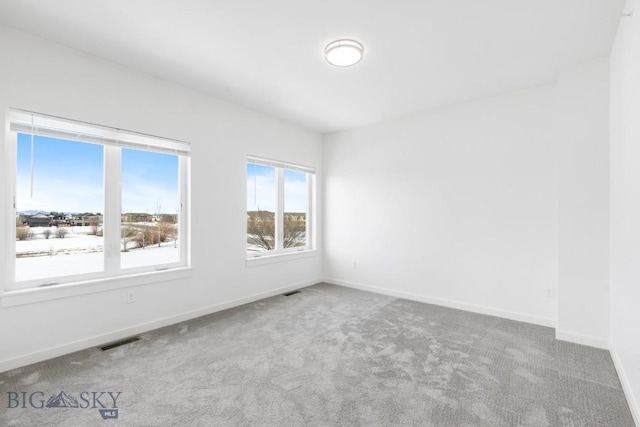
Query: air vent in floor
{"type": "Point", "coordinates": [288, 294]}
{"type": "Point", "coordinates": [119, 343]}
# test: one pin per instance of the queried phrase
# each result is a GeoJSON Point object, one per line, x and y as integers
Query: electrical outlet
{"type": "Point", "coordinates": [548, 292]}
{"type": "Point", "coordinates": [354, 264]}
{"type": "Point", "coordinates": [131, 297]}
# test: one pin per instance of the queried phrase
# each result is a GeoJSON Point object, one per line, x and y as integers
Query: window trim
{"type": "Point", "coordinates": [277, 254]}
{"type": "Point", "coordinates": [112, 140]}
{"type": "Point", "coordinates": [22, 296]}
{"type": "Point", "coordinates": [280, 257]}
{"type": "Point", "coordinates": [74, 130]}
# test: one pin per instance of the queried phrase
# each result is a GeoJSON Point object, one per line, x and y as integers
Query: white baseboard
{"type": "Point", "coordinates": [634, 404]}
{"type": "Point", "coordinates": [520, 317]}
{"type": "Point", "coordinates": [582, 339]}
{"type": "Point", "coordinates": [70, 347]}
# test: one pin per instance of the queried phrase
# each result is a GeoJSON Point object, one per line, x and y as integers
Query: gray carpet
{"type": "Point", "coordinates": [328, 356]}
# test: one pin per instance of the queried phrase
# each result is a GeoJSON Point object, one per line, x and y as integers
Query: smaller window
{"type": "Point", "coordinates": [279, 207]}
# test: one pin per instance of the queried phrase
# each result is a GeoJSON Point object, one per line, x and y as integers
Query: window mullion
{"type": "Point", "coordinates": [279, 214]}
{"type": "Point", "coordinates": [10, 253]}
{"type": "Point", "coordinates": [112, 202]}
{"type": "Point", "coordinates": [183, 210]}
{"type": "Point", "coordinates": [309, 214]}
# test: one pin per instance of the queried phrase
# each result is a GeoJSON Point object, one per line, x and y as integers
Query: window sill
{"type": "Point", "coordinates": [282, 257]}
{"type": "Point", "coordinates": [40, 294]}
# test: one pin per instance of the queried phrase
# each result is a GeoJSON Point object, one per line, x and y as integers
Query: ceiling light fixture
{"type": "Point", "coordinates": [344, 52]}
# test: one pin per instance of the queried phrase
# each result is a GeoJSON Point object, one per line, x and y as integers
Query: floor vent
{"type": "Point", "coordinates": [119, 343]}
{"type": "Point", "coordinates": [288, 294]}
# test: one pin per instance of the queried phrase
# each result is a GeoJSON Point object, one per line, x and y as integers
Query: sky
{"type": "Point", "coordinates": [149, 182]}
{"type": "Point", "coordinates": [261, 189]}
{"type": "Point", "coordinates": [68, 177]}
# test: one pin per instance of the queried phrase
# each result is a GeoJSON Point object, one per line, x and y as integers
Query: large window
{"type": "Point", "coordinates": [279, 207]}
{"type": "Point", "coordinates": [93, 202]}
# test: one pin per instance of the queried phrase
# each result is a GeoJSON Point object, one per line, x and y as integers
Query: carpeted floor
{"type": "Point", "coordinates": [327, 356]}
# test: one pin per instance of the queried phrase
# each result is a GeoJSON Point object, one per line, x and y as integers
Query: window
{"type": "Point", "coordinates": [279, 207]}
{"type": "Point", "coordinates": [150, 208]}
{"type": "Point", "coordinates": [94, 202]}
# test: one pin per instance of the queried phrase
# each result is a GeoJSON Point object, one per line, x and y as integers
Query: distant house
{"type": "Point", "coordinates": [136, 217]}
{"type": "Point", "coordinates": [167, 218]}
{"type": "Point", "coordinates": [300, 217]}
{"type": "Point", "coordinates": [37, 220]}
{"type": "Point", "coordinates": [266, 216]}
{"type": "Point", "coordinates": [86, 219]}
{"type": "Point", "coordinates": [260, 216]}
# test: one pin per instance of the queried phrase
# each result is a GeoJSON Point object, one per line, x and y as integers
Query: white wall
{"type": "Point", "coordinates": [583, 203]}
{"type": "Point", "coordinates": [456, 206]}
{"type": "Point", "coordinates": [625, 205]}
{"type": "Point", "coordinates": [40, 76]}
{"type": "Point", "coordinates": [483, 206]}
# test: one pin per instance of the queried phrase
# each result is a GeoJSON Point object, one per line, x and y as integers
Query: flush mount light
{"type": "Point", "coordinates": [344, 53]}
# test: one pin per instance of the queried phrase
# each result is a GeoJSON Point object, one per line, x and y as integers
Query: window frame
{"type": "Point", "coordinates": [113, 141]}
{"type": "Point", "coordinates": [259, 257]}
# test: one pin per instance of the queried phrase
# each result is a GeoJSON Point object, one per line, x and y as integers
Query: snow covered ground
{"type": "Point", "coordinates": [77, 240]}
{"type": "Point", "coordinates": [79, 253]}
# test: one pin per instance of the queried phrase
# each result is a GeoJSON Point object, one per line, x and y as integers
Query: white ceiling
{"type": "Point", "coordinates": [268, 55]}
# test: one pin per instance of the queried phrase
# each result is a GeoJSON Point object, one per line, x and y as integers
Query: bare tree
{"type": "Point", "coordinates": [23, 232]}
{"type": "Point", "coordinates": [127, 234]}
{"type": "Point", "coordinates": [141, 239]}
{"type": "Point", "coordinates": [94, 228]}
{"type": "Point", "coordinates": [46, 233]}
{"type": "Point", "coordinates": [261, 230]}
{"type": "Point", "coordinates": [61, 232]}
{"type": "Point", "coordinates": [295, 228]}
{"type": "Point", "coordinates": [159, 221]}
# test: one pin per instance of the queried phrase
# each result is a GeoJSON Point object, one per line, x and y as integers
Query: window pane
{"type": "Point", "coordinates": [295, 209]}
{"type": "Point", "coordinates": [59, 224]}
{"type": "Point", "coordinates": [261, 207]}
{"type": "Point", "coordinates": [150, 208]}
